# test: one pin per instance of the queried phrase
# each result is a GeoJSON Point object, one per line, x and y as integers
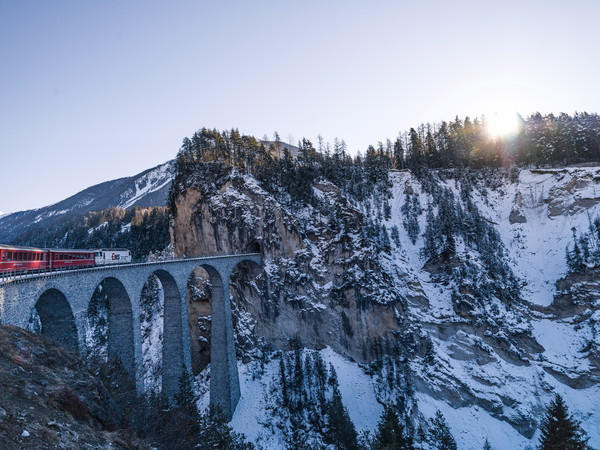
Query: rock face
{"type": "Point", "coordinates": [318, 284]}
{"type": "Point", "coordinates": [326, 284]}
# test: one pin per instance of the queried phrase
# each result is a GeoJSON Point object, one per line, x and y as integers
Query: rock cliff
{"type": "Point", "coordinates": [488, 330]}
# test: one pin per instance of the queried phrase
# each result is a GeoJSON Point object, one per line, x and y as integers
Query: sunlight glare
{"type": "Point", "coordinates": [502, 124]}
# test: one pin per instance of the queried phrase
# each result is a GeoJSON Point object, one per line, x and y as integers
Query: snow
{"type": "Point", "coordinates": [252, 413]}
{"type": "Point", "coordinates": [357, 389]}
{"type": "Point", "coordinates": [563, 344]}
{"type": "Point", "coordinates": [151, 182]}
{"type": "Point", "coordinates": [553, 202]}
{"type": "Point", "coordinates": [471, 426]}
{"type": "Point", "coordinates": [99, 227]}
{"type": "Point", "coordinates": [537, 247]}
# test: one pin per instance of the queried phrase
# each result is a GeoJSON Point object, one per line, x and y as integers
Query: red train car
{"type": "Point", "coordinates": [69, 259]}
{"type": "Point", "coordinates": [22, 260]}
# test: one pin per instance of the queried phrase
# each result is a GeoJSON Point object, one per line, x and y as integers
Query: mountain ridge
{"type": "Point", "coordinates": [148, 188]}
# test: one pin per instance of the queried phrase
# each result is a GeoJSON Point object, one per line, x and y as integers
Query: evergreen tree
{"type": "Point", "coordinates": [216, 433]}
{"type": "Point", "coordinates": [341, 433]}
{"type": "Point", "coordinates": [487, 445]}
{"type": "Point", "coordinates": [186, 398]}
{"type": "Point", "coordinates": [398, 155]}
{"type": "Point", "coordinates": [439, 435]}
{"type": "Point", "coordinates": [390, 434]}
{"type": "Point", "coordinates": [560, 430]}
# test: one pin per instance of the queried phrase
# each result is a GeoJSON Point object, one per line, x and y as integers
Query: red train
{"type": "Point", "coordinates": [22, 260]}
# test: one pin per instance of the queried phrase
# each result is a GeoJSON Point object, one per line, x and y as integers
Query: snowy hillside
{"type": "Point", "coordinates": [149, 188]}
{"type": "Point", "coordinates": [495, 358]}
{"type": "Point", "coordinates": [534, 217]}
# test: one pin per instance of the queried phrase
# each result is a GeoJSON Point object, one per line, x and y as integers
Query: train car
{"type": "Point", "coordinates": [70, 259]}
{"type": "Point", "coordinates": [105, 256]}
{"type": "Point", "coordinates": [22, 260]}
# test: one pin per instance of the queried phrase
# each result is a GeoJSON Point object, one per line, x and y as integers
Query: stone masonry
{"type": "Point", "coordinates": [62, 299]}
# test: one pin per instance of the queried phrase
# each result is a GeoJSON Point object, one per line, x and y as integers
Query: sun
{"type": "Point", "coordinates": [502, 124]}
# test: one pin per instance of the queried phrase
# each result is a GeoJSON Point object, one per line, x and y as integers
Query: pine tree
{"type": "Point", "coordinates": [215, 432]}
{"type": "Point", "coordinates": [487, 445]}
{"type": "Point", "coordinates": [439, 435]}
{"type": "Point", "coordinates": [186, 398]}
{"type": "Point", "coordinates": [398, 155]}
{"type": "Point", "coordinates": [390, 435]}
{"type": "Point", "coordinates": [560, 430]}
{"type": "Point", "coordinates": [341, 433]}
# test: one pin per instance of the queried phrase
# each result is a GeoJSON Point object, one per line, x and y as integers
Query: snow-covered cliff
{"type": "Point", "coordinates": [468, 309]}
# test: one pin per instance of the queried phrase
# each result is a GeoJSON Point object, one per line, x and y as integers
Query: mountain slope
{"type": "Point", "coordinates": [149, 188]}
{"type": "Point", "coordinates": [487, 328]}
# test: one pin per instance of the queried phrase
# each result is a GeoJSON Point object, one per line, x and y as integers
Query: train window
{"type": "Point", "coordinates": [9, 256]}
{"type": "Point", "coordinates": [3, 256]}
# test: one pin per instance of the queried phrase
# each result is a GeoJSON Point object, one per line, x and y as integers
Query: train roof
{"type": "Point", "coordinates": [111, 250]}
{"type": "Point", "coordinates": [21, 247]}
{"type": "Point", "coordinates": [25, 248]}
{"type": "Point", "coordinates": [70, 250]}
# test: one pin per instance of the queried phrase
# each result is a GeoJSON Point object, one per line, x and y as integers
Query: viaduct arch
{"type": "Point", "coordinates": [62, 300]}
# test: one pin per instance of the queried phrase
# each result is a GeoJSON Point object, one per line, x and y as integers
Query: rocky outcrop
{"type": "Point", "coordinates": [577, 303]}
{"type": "Point", "coordinates": [320, 282]}
{"type": "Point", "coordinates": [324, 283]}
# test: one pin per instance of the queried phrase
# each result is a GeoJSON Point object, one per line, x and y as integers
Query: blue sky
{"type": "Point", "coordinates": [91, 91]}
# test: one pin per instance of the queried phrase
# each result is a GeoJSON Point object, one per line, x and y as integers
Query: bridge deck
{"type": "Point", "coordinates": [7, 279]}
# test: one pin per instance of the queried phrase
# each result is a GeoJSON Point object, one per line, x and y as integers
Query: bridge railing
{"type": "Point", "coordinates": [11, 275]}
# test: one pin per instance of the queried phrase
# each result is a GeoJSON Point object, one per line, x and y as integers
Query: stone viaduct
{"type": "Point", "coordinates": [62, 299]}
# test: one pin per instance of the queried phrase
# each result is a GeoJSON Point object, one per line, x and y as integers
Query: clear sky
{"type": "Point", "coordinates": [96, 90]}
